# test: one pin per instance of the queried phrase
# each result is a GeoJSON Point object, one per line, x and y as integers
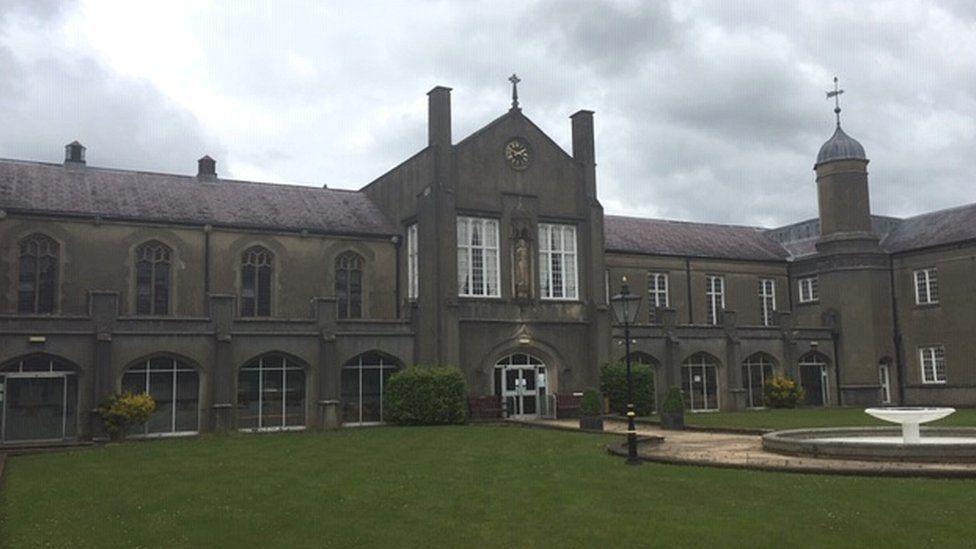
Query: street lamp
{"type": "Point", "coordinates": [625, 308]}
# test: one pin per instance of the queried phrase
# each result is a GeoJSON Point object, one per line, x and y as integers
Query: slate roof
{"type": "Point", "coordinates": [41, 188]}
{"type": "Point", "coordinates": [933, 229]}
{"type": "Point", "coordinates": [681, 238]}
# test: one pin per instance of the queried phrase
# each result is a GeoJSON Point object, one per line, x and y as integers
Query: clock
{"type": "Point", "coordinates": [517, 154]}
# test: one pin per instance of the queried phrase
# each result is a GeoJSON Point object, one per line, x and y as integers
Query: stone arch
{"type": "Point", "coordinates": [362, 386]}
{"type": "Point", "coordinates": [756, 369]}
{"type": "Point", "coordinates": [176, 382]}
{"type": "Point", "coordinates": [700, 382]}
{"type": "Point", "coordinates": [814, 373]}
{"type": "Point", "coordinates": [41, 398]}
{"type": "Point", "coordinates": [273, 391]}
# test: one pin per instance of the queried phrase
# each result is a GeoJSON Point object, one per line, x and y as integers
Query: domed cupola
{"type": "Point", "coordinates": [840, 146]}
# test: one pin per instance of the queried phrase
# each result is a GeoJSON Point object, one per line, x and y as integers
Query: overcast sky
{"type": "Point", "coordinates": [710, 111]}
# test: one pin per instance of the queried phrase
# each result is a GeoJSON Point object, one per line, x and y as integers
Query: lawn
{"type": "Point", "coordinates": [811, 417]}
{"type": "Point", "coordinates": [472, 486]}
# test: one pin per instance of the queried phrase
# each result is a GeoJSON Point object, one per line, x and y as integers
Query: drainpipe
{"type": "Point", "coordinates": [691, 308]}
{"type": "Point", "coordinates": [834, 336]}
{"type": "Point", "coordinates": [206, 269]}
{"type": "Point", "coordinates": [896, 329]}
{"type": "Point", "coordinates": [396, 287]}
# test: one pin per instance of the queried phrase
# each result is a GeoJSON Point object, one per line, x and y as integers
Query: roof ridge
{"type": "Point", "coordinates": [684, 222]}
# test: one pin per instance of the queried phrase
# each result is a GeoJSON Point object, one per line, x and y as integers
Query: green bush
{"type": "Point", "coordinates": [674, 402]}
{"type": "Point", "coordinates": [121, 412]}
{"type": "Point", "coordinates": [426, 396]}
{"type": "Point", "coordinates": [613, 383]}
{"type": "Point", "coordinates": [591, 405]}
{"type": "Point", "coordinates": [782, 392]}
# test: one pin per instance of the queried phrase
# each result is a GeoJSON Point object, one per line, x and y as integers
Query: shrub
{"type": "Point", "coordinates": [782, 392]}
{"type": "Point", "coordinates": [426, 396]}
{"type": "Point", "coordinates": [613, 383]}
{"type": "Point", "coordinates": [121, 412]}
{"type": "Point", "coordinates": [591, 405]}
{"type": "Point", "coordinates": [674, 402]}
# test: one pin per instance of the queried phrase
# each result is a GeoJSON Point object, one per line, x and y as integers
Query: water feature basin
{"type": "Point", "coordinates": [910, 419]}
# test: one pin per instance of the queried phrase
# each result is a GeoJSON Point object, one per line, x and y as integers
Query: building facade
{"type": "Point", "coordinates": [255, 306]}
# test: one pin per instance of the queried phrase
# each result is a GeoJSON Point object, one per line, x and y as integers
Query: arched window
{"type": "Point", "coordinates": [363, 383]}
{"type": "Point", "coordinates": [39, 397]}
{"type": "Point", "coordinates": [257, 266]}
{"type": "Point", "coordinates": [38, 281]}
{"type": "Point", "coordinates": [755, 371]}
{"type": "Point", "coordinates": [152, 278]}
{"type": "Point", "coordinates": [271, 394]}
{"type": "Point", "coordinates": [813, 378]}
{"type": "Point", "coordinates": [699, 382]}
{"type": "Point", "coordinates": [349, 285]}
{"type": "Point", "coordinates": [175, 386]}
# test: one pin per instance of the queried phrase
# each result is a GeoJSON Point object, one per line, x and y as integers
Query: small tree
{"type": "Point", "coordinates": [590, 406]}
{"type": "Point", "coordinates": [674, 403]}
{"type": "Point", "coordinates": [120, 412]}
{"type": "Point", "coordinates": [781, 391]}
{"type": "Point", "coordinates": [613, 383]}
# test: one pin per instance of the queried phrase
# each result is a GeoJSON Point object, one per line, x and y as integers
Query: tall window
{"type": "Point", "coordinates": [271, 394]}
{"type": "Point", "coordinates": [933, 364]}
{"type": "Point", "coordinates": [152, 278]}
{"type": "Point", "coordinates": [714, 297]}
{"type": "Point", "coordinates": [557, 261]}
{"type": "Point", "coordinates": [755, 371]}
{"type": "Point", "coordinates": [926, 287]}
{"type": "Point", "coordinates": [175, 386]}
{"type": "Point", "coordinates": [413, 268]}
{"type": "Point", "coordinates": [349, 285]}
{"type": "Point", "coordinates": [808, 289]}
{"type": "Point", "coordinates": [767, 301]}
{"type": "Point", "coordinates": [38, 282]}
{"type": "Point", "coordinates": [477, 257]}
{"type": "Point", "coordinates": [364, 380]}
{"type": "Point", "coordinates": [257, 266]}
{"type": "Point", "coordinates": [657, 293]}
{"type": "Point", "coordinates": [699, 382]}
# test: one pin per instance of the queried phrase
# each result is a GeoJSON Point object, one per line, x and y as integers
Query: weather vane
{"type": "Point", "coordinates": [514, 79]}
{"type": "Point", "coordinates": [836, 95]}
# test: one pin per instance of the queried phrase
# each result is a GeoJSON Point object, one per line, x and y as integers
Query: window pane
{"type": "Point", "coordinates": [187, 401]}
{"type": "Point", "coordinates": [143, 288]}
{"type": "Point", "coordinates": [272, 395]}
{"type": "Point", "coordinates": [161, 389]}
{"type": "Point", "coordinates": [161, 298]}
{"type": "Point", "coordinates": [248, 394]}
{"type": "Point", "coordinates": [350, 395]}
{"type": "Point", "coordinates": [295, 398]}
{"type": "Point", "coordinates": [371, 395]}
{"type": "Point", "coordinates": [264, 291]}
{"type": "Point", "coordinates": [247, 290]}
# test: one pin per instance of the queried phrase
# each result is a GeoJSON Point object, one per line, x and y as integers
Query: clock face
{"type": "Point", "coordinates": [517, 154]}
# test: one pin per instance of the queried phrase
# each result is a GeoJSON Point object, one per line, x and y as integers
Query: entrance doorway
{"type": "Point", "coordinates": [813, 380]}
{"type": "Point", "coordinates": [39, 400]}
{"type": "Point", "coordinates": [699, 383]}
{"type": "Point", "coordinates": [521, 381]}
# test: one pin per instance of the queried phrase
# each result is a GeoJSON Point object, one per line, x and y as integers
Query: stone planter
{"type": "Point", "coordinates": [591, 423]}
{"type": "Point", "coordinates": [672, 421]}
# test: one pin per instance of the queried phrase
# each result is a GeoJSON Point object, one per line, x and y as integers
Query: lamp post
{"type": "Point", "coordinates": [625, 309]}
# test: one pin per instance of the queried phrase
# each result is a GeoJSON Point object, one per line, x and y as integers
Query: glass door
{"type": "Point", "coordinates": [884, 377]}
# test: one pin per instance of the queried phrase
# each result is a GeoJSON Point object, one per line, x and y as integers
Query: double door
{"type": "Point", "coordinates": [38, 406]}
{"type": "Point", "coordinates": [524, 391]}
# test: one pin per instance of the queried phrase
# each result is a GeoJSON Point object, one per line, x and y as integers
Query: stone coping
{"type": "Point", "coordinates": [822, 443]}
{"type": "Point", "coordinates": [743, 451]}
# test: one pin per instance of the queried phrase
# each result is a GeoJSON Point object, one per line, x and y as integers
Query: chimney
{"type": "Point", "coordinates": [439, 116]}
{"type": "Point", "coordinates": [584, 150]}
{"type": "Point", "coordinates": [207, 169]}
{"type": "Point", "coordinates": [74, 154]}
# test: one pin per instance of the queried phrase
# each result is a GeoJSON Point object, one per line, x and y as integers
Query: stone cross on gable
{"type": "Point", "coordinates": [514, 79]}
{"type": "Point", "coordinates": [836, 95]}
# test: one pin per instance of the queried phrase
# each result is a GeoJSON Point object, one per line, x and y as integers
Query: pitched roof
{"type": "Point", "coordinates": [41, 188]}
{"type": "Point", "coordinates": [933, 229]}
{"type": "Point", "coordinates": [681, 238]}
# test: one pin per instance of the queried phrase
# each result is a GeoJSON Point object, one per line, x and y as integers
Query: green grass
{"type": "Point", "coordinates": [451, 487]}
{"type": "Point", "coordinates": [811, 417]}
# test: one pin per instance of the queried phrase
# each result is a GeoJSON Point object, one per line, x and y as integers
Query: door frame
{"type": "Point", "coordinates": [63, 376]}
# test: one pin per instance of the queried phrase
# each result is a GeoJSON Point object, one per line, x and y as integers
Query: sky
{"type": "Point", "coordinates": [705, 111]}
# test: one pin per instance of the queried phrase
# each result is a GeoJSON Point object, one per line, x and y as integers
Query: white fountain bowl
{"type": "Point", "coordinates": [906, 414]}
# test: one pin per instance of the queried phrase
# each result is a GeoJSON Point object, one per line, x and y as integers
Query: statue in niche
{"type": "Point", "coordinates": [522, 263]}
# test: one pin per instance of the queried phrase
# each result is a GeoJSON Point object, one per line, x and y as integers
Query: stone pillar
{"type": "Point", "coordinates": [735, 394]}
{"type": "Point", "coordinates": [224, 372]}
{"type": "Point", "coordinates": [669, 366]}
{"type": "Point", "coordinates": [104, 311]}
{"type": "Point", "coordinates": [326, 377]}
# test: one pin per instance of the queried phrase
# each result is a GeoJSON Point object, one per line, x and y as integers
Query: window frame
{"type": "Point", "coordinates": [808, 289]}
{"type": "Point", "coordinates": [49, 248]}
{"type": "Point", "coordinates": [711, 307]}
{"type": "Point", "coordinates": [767, 315]}
{"type": "Point", "coordinates": [413, 264]}
{"type": "Point", "coordinates": [547, 256]}
{"type": "Point", "coordinates": [466, 250]}
{"type": "Point", "coordinates": [930, 285]}
{"type": "Point", "coordinates": [246, 262]}
{"type": "Point", "coordinates": [358, 266]}
{"type": "Point", "coordinates": [932, 357]}
{"type": "Point", "coordinates": [154, 245]}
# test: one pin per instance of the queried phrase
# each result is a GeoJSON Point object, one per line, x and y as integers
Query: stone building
{"type": "Point", "coordinates": [256, 306]}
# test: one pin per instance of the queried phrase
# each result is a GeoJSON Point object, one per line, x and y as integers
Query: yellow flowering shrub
{"type": "Point", "coordinates": [123, 411]}
{"type": "Point", "coordinates": [781, 391]}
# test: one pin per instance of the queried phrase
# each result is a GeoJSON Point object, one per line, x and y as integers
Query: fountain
{"type": "Point", "coordinates": [940, 444]}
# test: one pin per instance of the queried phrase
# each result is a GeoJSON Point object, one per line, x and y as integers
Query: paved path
{"type": "Point", "coordinates": [746, 452]}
